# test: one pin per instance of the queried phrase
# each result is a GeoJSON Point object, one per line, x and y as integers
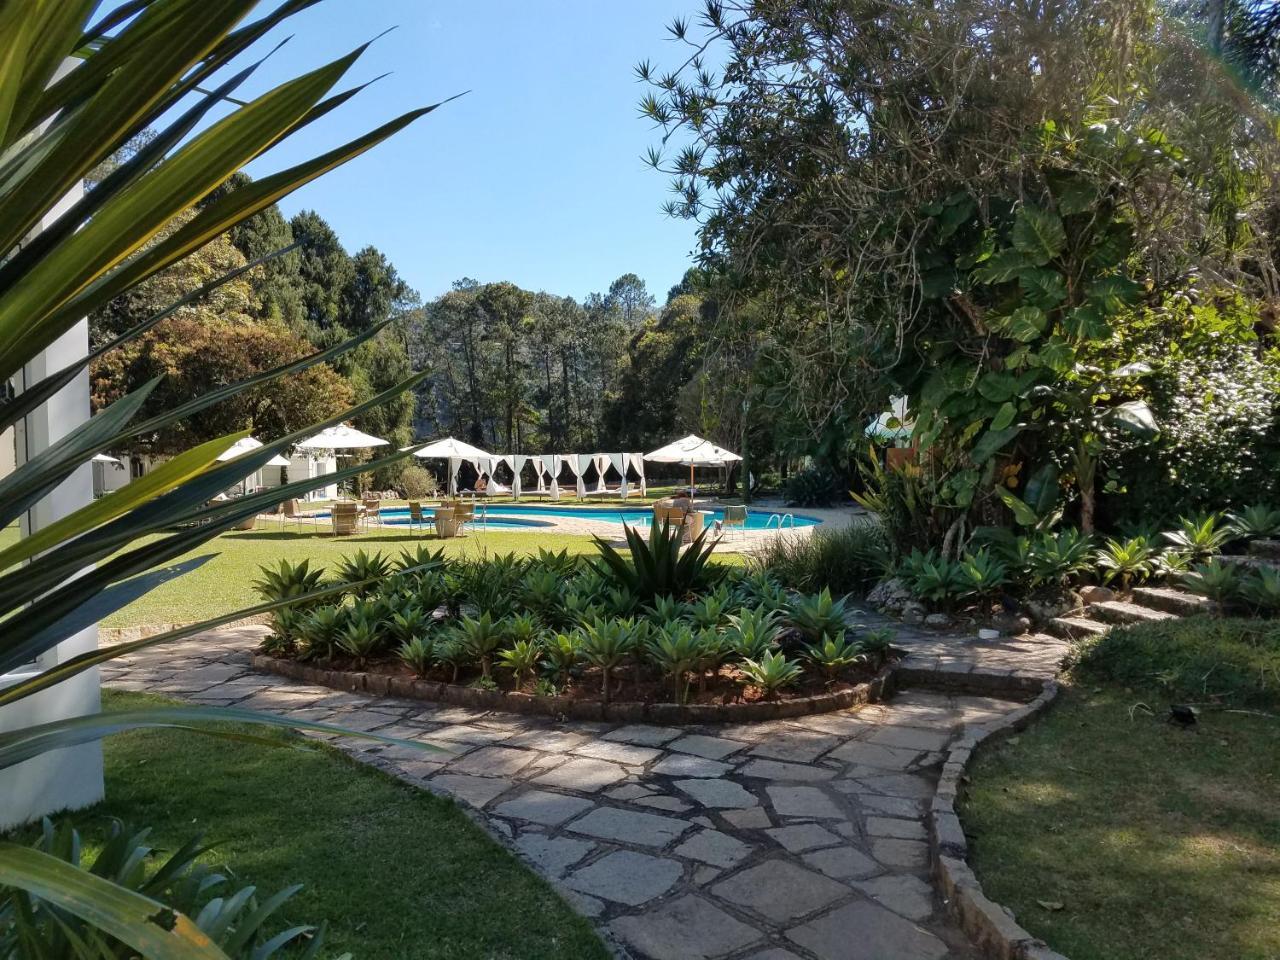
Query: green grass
{"type": "Point", "coordinates": [1160, 843]}
{"type": "Point", "coordinates": [398, 873]}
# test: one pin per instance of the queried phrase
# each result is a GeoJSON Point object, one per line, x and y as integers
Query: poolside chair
{"type": "Point", "coordinates": [416, 516]}
{"type": "Point", "coordinates": [289, 511]}
{"type": "Point", "coordinates": [677, 517]}
{"type": "Point", "coordinates": [346, 518]}
{"type": "Point", "coordinates": [735, 518]}
{"type": "Point", "coordinates": [463, 514]}
{"type": "Point", "coordinates": [372, 513]}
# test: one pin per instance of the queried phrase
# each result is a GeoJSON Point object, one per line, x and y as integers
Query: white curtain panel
{"type": "Point", "coordinates": [540, 467]}
{"type": "Point", "coordinates": [601, 462]}
{"type": "Point", "coordinates": [637, 461]}
{"type": "Point", "coordinates": [580, 464]}
{"type": "Point", "coordinates": [454, 464]}
{"type": "Point", "coordinates": [619, 462]}
{"type": "Point", "coordinates": [555, 461]}
{"type": "Point", "coordinates": [517, 462]}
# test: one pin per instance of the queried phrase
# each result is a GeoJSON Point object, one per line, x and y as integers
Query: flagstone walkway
{"type": "Point", "coordinates": [789, 839]}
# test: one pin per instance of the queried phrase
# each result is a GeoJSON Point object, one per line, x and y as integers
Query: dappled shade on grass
{"type": "Point", "coordinates": [399, 874]}
{"type": "Point", "coordinates": [1160, 843]}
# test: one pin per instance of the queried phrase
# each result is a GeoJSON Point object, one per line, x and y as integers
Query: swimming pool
{"type": "Point", "coordinates": [517, 515]}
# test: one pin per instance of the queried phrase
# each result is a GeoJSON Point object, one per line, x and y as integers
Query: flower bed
{"type": "Point", "coordinates": [659, 633]}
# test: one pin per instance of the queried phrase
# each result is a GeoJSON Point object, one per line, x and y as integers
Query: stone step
{"type": "Point", "coordinates": [1171, 601]}
{"type": "Point", "coordinates": [1119, 611]}
{"type": "Point", "coordinates": [1250, 562]}
{"type": "Point", "coordinates": [1076, 628]}
{"type": "Point", "coordinates": [1269, 549]}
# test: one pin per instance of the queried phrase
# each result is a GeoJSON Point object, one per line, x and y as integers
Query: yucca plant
{"type": "Point", "coordinates": [1200, 536]}
{"type": "Point", "coordinates": [675, 651]}
{"type": "Point", "coordinates": [562, 652]}
{"type": "Point", "coordinates": [753, 632]}
{"type": "Point", "coordinates": [656, 567]}
{"type": "Point", "coordinates": [818, 615]}
{"type": "Point", "coordinates": [521, 658]}
{"type": "Point", "coordinates": [482, 638]}
{"type": "Point", "coordinates": [418, 653]}
{"type": "Point", "coordinates": [1126, 560]}
{"type": "Point", "coordinates": [1261, 590]}
{"type": "Point", "coordinates": [144, 65]}
{"type": "Point", "coordinates": [363, 571]}
{"type": "Point", "coordinates": [832, 654]}
{"type": "Point", "coordinates": [606, 644]}
{"type": "Point", "coordinates": [771, 673]}
{"type": "Point", "coordinates": [1254, 522]}
{"type": "Point", "coordinates": [232, 920]}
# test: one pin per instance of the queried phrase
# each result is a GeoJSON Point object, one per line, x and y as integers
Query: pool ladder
{"type": "Point", "coordinates": [782, 518]}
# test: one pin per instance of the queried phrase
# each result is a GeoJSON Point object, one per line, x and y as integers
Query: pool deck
{"type": "Point", "coordinates": [737, 541]}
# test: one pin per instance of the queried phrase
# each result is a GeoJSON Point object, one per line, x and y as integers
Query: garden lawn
{"type": "Point", "coordinates": [1159, 843]}
{"type": "Point", "coordinates": [398, 874]}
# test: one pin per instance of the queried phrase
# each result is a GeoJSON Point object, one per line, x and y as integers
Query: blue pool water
{"type": "Point", "coordinates": [515, 515]}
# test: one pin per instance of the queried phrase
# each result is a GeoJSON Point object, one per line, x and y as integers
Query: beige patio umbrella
{"type": "Point", "coordinates": [694, 451]}
{"type": "Point", "coordinates": [455, 451]}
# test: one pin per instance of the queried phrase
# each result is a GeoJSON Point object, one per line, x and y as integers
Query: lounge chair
{"type": "Point", "coordinates": [346, 518]}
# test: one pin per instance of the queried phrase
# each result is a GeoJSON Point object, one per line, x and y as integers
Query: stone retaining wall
{"type": "Point", "coordinates": [991, 926]}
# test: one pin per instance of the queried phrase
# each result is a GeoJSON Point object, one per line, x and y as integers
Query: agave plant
{"type": "Point", "coordinates": [418, 653]}
{"type": "Point", "coordinates": [409, 623]}
{"type": "Point", "coordinates": [1053, 558]}
{"type": "Point", "coordinates": [421, 561]}
{"type": "Point", "coordinates": [288, 581]}
{"type": "Point", "coordinates": [606, 644]}
{"type": "Point", "coordinates": [481, 637]}
{"type": "Point", "coordinates": [1200, 536]}
{"type": "Point", "coordinates": [832, 654]}
{"type": "Point", "coordinates": [542, 591]}
{"type": "Point", "coordinates": [657, 567]}
{"type": "Point", "coordinates": [713, 650]}
{"type": "Point", "coordinates": [1218, 581]}
{"type": "Point", "coordinates": [1254, 522]}
{"type": "Point", "coordinates": [984, 577]}
{"type": "Point", "coordinates": [453, 653]}
{"type": "Point", "coordinates": [675, 652]}
{"type": "Point", "coordinates": [521, 658]}
{"type": "Point", "coordinates": [319, 632]}
{"type": "Point", "coordinates": [364, 572]}
{"type": "Point", "coordinates": [1262, 590]}
{"type": "Point", "coordinates": [876, 646]}
{"type": "Point", "coordinates": [818, 615]}
{"type": "Point", "coordinates": [559, 562]}
{"type": "Point", "coordinates": [753, 632]}
{"type": "Point", "coordinates": [361, 638]}
{"type": "Point", "coordinates": [931, 576]}
{"type": "Point", "coordinates": [562, 652]}
{"type": "Point", "coordinates": [1126, 560]}
{"type": "Point", "coordinates": [709, 610]}
{"type": "Point", "coordinates": [665, 609]}
{"type": "Point", "coordinates": [235, 923]}
{"type": "Point", "coordinates": [771, 673]}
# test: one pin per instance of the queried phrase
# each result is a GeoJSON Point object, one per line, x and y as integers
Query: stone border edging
{"type": "Point", "coordinates": [989, 925]}
{"type": "Point", "coordinates": [872, 691]}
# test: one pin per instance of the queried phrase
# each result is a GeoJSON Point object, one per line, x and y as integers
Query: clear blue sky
{"type": "Point", "coordinates": [535, 176]}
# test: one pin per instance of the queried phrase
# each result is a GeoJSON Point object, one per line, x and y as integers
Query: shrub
{"type": "Point", "coordinates": [877, 645]}
{"type": "Point", "coordinates": [848, 559]}
{"type": "Point", "coordinates": [1196, 659]}
{"type": "Point", "coordinates": [1053, 558]}
{"type": "Point", "coordinates": [417, 483]}
{"type": "Point", "coordinates": [771, 673]}
{"type": "Point", "coordinates": [675, 651]}
{"type": "Point", "coordinates": [319, 632]}
{"type": "Point", "coordinates": [984, 576]}
{"type": "Point", "coordinates": [481, 637]}
{"type": "Point", "coordinates": [562, 652]}
{"type": "Point", "coordinates": [811, 487]}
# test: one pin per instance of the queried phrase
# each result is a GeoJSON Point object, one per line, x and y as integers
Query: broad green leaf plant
{"type": "Point", "coordinates": [76, 84]}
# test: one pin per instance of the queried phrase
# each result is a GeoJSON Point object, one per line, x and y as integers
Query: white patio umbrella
{"type": "Point", "coordinates": [893, 423]}
{"type": "Point", "coordinates": [104, 458]}
{"type": "Point", "coordinates": [455, 451]}
{"type": "Point", "coordinates": [694, 451]}
{"type": "Point", "coordinates": [244, 445]}
{"type": "Point", "coordinates": [341, 437]}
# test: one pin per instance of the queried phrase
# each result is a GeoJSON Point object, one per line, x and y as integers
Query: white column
{"type": "Point", "coordinates": [69, 778]}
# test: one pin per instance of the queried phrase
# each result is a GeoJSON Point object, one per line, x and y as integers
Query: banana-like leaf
{"type": "Point", "coordinates": [36, 394]}
{"type": "Point", "coordinates": [51, 466]}
{"type": "Point", "coordinates": [148, 926]}
{"type": "Point", "coordinates": [130, 219]}
{"type": "Point", "coordinates": [220, 216]}
{"type": "Point", "coordinates": [69, 668]}
{"type": "Point", "coordinates": [169, 475]}
{"type": "Point", "coordinates": [28, 742]}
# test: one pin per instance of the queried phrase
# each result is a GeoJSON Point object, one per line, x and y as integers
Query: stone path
{"type": "Point", "coordinates": [789, 839]}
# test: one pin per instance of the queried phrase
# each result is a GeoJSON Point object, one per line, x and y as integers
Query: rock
{"type": "Point", "coordinates": [1097, 594]}
{"type": "Point", "coordinates": [913, 613]}
{"type": "Point", "coordinates": [889, 595]}
{"type": "Point", "coordinates": [987, 633]}
{"type": "Point", "coordinates": [939, 621]}
{"type": "Point", "coordinates": [1010, 624]}
{"type": "Point", "coordinates": [1047, 606]}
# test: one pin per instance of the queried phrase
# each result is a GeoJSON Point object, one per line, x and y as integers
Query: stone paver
{"type": "Point", "coordinates": [798, 839]}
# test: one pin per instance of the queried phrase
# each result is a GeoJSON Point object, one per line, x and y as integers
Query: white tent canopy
{"type": "Point", "coordinates": [456, 451]}
{"type": "Point", "coordinates": [694, 451]}
{"type": "Point", "coordinates": [341, 437]}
